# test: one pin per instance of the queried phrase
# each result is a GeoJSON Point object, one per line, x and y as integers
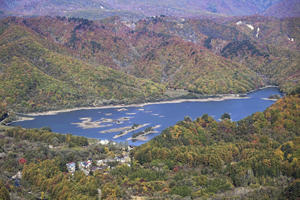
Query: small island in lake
{"type": "Point", "coordinates": [274, 96]}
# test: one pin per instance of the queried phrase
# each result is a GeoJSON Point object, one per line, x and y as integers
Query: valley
{"type": "Point", "coordinates": [144, 100]}
{"type": "Point", "coordinates": [253, 158]}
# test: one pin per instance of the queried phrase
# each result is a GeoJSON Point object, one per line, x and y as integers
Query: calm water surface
{"type": "Point", "coordinates": [106, 123]}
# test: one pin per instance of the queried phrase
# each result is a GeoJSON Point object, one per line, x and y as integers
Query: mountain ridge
{"type": "Point", "coordinates": [196, 56]}
{"type": "Point", "coordinates": [139, 9]}
{"type": "Point", "coordinates": [139, 51]}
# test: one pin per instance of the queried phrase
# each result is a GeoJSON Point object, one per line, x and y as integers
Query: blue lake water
{"type": "Point", "coordinates": [107, 123]}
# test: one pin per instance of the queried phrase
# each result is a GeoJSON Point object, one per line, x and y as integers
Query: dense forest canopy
{"type": "Point", "coordinates": [59, 62]}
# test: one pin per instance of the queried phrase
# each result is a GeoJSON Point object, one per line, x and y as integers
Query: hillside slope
{"type": "Point", "coordinates": [36, 78]}
{"type": "Point", "coordinates": [268, 46]}
{"type": "Point", "coordinates": [257, 157]}
{"type": "Point", "coordinates": [274, 48]}
{"type": "Point", "coordinates": [146, 51]}
{"type": "Point", "coordinates": [200, 56]}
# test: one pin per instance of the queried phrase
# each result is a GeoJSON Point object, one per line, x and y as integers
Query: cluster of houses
{"type": "Point", "coordinates": [89, 166]}
{"type": "Point", "coordinates": [18, 176]}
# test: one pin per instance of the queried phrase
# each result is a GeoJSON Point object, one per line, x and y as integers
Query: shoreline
{"type": "Point", "coordinates": [21, 119]}
{"type": "Point", "coordinates": [54, 112]}
{"type": "Point", "coordinates": [219, 97]}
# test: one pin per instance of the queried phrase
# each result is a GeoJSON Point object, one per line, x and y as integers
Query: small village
{"type": "Point", "coordinates": [90, 165]}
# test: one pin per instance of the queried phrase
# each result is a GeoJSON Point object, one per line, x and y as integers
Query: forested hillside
{"type": "Point", "coordinates": [74, 62]}
{"type": "Point", "coordinates": [34, 76]}
{"type": "Point", "coordinates": [268, 46]}
{"type": "Point", "coordinates": [272, 51]}
{"type": "Point", "coordinates": [39, 159]}
{"type": "Point", "coordinates": [187, 53]}
{"type": "Point", "coordinates": [257, 157]}
{"type": "Point", "coordinates": [46, 68]}
{"type": "Point", "coordinates": [148, 53]}
{"type": "Point", "coordinates": [58, 62]}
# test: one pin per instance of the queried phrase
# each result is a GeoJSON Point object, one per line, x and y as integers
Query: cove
{"type": "Point", "coordinates": [120, 123]}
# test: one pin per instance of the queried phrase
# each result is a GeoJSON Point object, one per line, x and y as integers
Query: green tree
{"type": "Point", "coordinates": [4, 194]}
{"type": "Point", "coordinates": [225, 116]}
{"type": "Point", "coordinates": [181, 190]}
{"type": "Point", "coordinates": [292, 192]}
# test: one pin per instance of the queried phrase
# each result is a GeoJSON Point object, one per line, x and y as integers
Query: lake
{"type": "Point", "coordinates": [119, 124]}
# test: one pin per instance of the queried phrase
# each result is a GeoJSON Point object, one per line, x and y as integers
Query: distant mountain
{"type": "Point", "coordinates": [97, 9]}
{"type": "Point", "coordinates": [194, 7]}
{"type": "Point", "coordinates": [287, 8]}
